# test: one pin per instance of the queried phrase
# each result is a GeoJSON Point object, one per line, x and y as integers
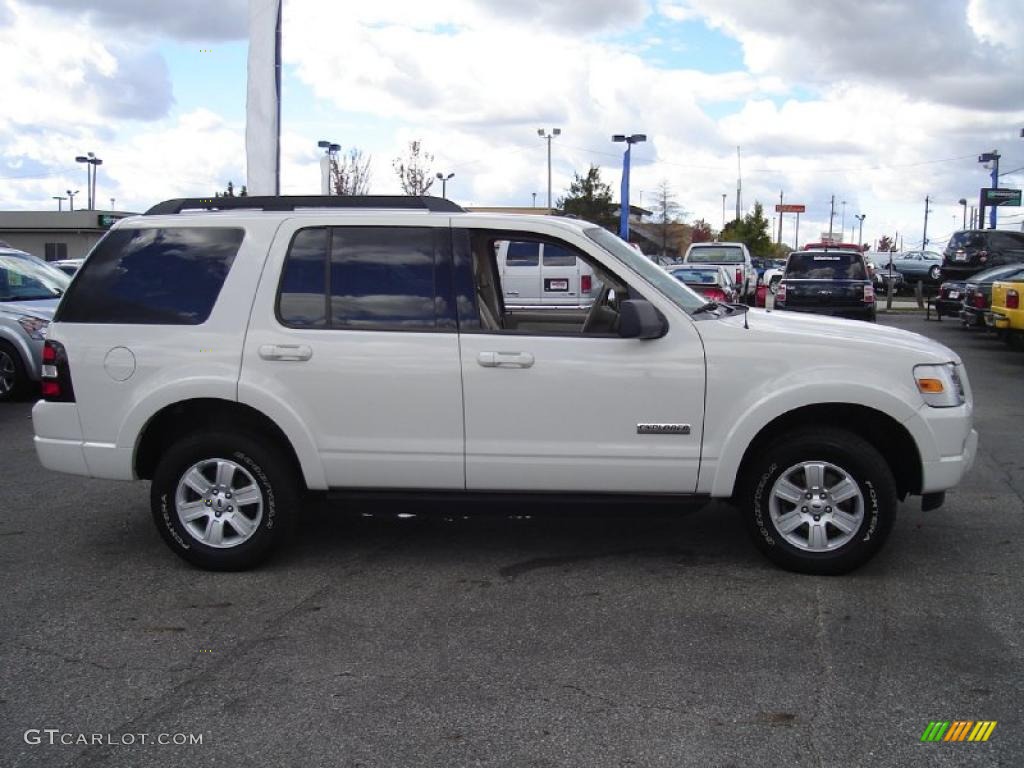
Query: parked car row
{"type": "Point", "coordinates": [989, 299]}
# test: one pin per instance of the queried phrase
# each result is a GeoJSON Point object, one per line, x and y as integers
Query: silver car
{"type": "Point", "coordinates": [29, 293]}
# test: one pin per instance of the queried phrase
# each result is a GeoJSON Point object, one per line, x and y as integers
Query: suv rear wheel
{"type": "Point", "coordinates": [223, 501]}
{"type": "Point", "coordinates": [819, 501]}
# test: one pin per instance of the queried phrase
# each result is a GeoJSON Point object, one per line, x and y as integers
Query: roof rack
{"type": "Point", "coordinates": [292, 202]}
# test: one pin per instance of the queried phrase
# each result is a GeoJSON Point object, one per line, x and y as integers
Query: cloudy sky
{"type": "Point", "coordinates": [879, 102]}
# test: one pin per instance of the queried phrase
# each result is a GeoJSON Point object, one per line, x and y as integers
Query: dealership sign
{"type": "Point", "coordinates": [790, 208]}
{"type": "Point", "coordinates": [994, 196]}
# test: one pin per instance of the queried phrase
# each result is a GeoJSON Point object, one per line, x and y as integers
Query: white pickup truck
{"type": "Point", "coordinates": [241, 357]}
{"type": "Point", "coordinates": [733, 256]}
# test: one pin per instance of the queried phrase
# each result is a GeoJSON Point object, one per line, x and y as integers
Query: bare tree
{"type": "Point", "coordinates": [666, 212]}
{"type": "Point", "coordinates": [350, 175]}
{"type": "Point", "coordinates": [414, 172]}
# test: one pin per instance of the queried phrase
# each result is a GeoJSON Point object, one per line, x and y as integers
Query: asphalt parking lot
{"type": "Point", "coordinates": [632, 639]}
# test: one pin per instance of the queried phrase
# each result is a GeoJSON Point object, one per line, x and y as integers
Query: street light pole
{"type": "Point", "coordinates": [635, 138]}
{"type": "Point", "coordinates": [60, 202]}
{"type": "Point", "coordinates": [326, 163]}
{"type": "Point", "coordinates": [963, 202]}
{"type": "Point", "coordinates": [444, 184]}
{"type": "Point", "coordinates": [842, 225]}
{"type": "Point", "coordinates": [831, 217]}
{"type": "Point", "coordinates": [860, 237]}
{"type": "Point", "coordinates": [71, 199]}
{"type": "Point", "coordinates": [534, 199]}
{"type": "Point", "coordinates": [723, 210]}
{"type": "Point", "coordinates": [548, 136]}
{"type": "Point", "coordinates": [927, 210]}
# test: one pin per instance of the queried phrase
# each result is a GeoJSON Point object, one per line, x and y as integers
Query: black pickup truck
{"type": "Point", "coordinates": [827, 282]}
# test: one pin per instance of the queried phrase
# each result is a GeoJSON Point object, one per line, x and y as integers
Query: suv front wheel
{"type": "Point", "coordinates": [223, 501]}
{"type": "Point", "coordinates": [819, 501]}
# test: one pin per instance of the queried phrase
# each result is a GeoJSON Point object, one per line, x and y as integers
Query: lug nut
{"type": "Point", "coordinates": [227, 495]}
{"type": "Point", "coordinates": [817, 518]}
{"type": "Point", "coordinates": [822, 496]}
{"type": "Point", "coordinates": [828, 509]}
{"type": "Point", "coordinates": [810, 495]}
{"type": "Point", "coordinates": [231, 509]}
{"type": "Point", "coordinates": [804, 510]}
{"type": "Point", "coordinates": [208, 502]}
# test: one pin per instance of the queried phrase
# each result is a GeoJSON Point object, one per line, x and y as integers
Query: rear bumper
{"type": "Point", "coordinates": [858, 313]}
{"type": "Point", "coordinates": [948, 306]}
{"type": "Point", "coordinates": [60, 447]}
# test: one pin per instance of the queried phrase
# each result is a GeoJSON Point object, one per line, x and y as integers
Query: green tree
{"type": "Point", "coordinates": [590, 199]}
{"type": "Point", "coordinates": [886, 244]}
{"type": "Point", "coordinates": [752, 230]}
{"type": "Point", "coordinates": [230, 191]}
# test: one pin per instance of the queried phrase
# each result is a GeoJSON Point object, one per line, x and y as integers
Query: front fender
{"type": "Point", "coordinates": [724, 449]}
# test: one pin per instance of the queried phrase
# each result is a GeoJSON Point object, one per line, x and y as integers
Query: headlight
{"type": "Point", "coordinates": [33, 326]}
{"type": "Point", "coordinates": [939, 385]}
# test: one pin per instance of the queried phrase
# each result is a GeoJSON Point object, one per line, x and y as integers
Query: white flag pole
{"type": "Point", "coordinates": [263, 102]}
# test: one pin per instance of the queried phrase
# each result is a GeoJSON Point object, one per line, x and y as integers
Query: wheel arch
{"type": "Point", "coordinates": [181, 418]}
{"type": "Point", "coordinates": [886, 434]}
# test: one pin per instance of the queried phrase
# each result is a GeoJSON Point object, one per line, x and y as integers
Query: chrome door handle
{"type": "Point", "coordinates": [505, 359]}
{"type": "Point", "coordinates": [511, 293]}
{"type": "Point", "coordinates": [286, 352]}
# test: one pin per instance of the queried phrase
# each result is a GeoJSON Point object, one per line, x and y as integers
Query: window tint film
{"type": "Point", "coordinates": [522, 254]}
{"type": "Point", "coordinates": [165, 276]}
{"type": "Point", "coordinates": [382, 277]}
{"type": "Point", "coordinates": [833, 265]}
{"type": "Point", "coordinates": [557, 256]}
{"type": "Point", "coordinates": [302, 300]}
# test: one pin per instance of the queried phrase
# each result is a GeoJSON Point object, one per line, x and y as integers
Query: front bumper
{"type": "Point", "coordinates": [947, 443]}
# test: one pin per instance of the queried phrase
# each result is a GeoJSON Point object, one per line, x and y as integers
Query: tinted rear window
{"type": "Point", "coordinates": [716, 254]}
{"type": "Point", "coordinates": [707, 276]}
{"type": "Point", "coordinates": [556, 256]}
{"type": "Point", "coordinates": [522, 254]}
{"type": "Point", "coordinates": [360, 278]}
{"type": "Point", "coordinates": [834, 265]}
{"type": "Point", "coordinates": [165, 276]}
{"type": "Point", "coordinates": [966, 240]}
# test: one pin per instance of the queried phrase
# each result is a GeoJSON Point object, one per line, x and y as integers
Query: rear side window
{"type": "Point", "coordinates": [164, 276]}
{"type": "Point", "coordinates": [523, 254]}
{"type": "Point", "coordinates": [965, 240]}
{"type": "Point", "coordinates": [556, 256]}
{"type": "Point", "coordinates": [834, 265]}
{"type": "Point", "coordinates": [366, 278]}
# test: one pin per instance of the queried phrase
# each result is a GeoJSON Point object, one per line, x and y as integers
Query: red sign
{"type": "Point", "coordinates": [790, 208]}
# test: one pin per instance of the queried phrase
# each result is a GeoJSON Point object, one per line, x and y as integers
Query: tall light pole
{"type": "Point", "coordinates": [444, 183]}
{"type": "Point", "coordinates": [723, 210]}
{"type": "Point", "coordinates": [534, 199]}
{"type": "Point", "coordinates": [91, 162]}
{"type": "Point", "coordinates": [630, 140]}
{"type": "Point", "coordinates": [842, 224]}
{"type": "Point", "coordinates": [860, 237]}
{"type": "Point", "coordinates": [990, 158]}
{"type": "Point", "coordinates": [548, 136]}
{"type": "Point", "coordinates": [112, 204]}
{"type": "Point", "coordinates": [963, 202]}
{"type": "Point", "coordinates": [831, 217]}
{"type": "Point", "coordinates": [927, 210]}
{"type": "Point", "coordinates": [60, 202]}
{"type": "Point", "coordinates": [71, 199]}
{"type": "Point", "coordinates": [326, 162]}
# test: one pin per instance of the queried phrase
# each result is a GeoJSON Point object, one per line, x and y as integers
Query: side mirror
{"type": "Point", "coordinates": [639, 319]}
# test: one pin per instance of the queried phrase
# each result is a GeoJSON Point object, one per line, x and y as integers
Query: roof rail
{"type": "Point", "coordinates": [292, 202]}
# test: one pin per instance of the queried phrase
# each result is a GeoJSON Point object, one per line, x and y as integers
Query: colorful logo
{"type": "Point", "coordinates": [958, 730]}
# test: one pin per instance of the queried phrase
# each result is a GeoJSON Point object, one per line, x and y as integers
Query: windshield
{"type": "Point", "coordinates": [667, 285]}
{"type": "Point", "coordinates": [831, 265]}
{"type": "Point", "coordinates": [28, 280]}
{"type": "Point", "coordinates": [715, 254]}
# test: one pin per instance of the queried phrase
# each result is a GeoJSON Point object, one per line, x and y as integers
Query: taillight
{"type": "Point", "coordinates": [585, 283]}
{"type": "Point", "coordinates": [780, 293]}
{"type": "Point", "coordinates": [1012, 299]}
{"type": "Point", "coordinates": [739, 277]}
{"type": "Point", "coordinates": [869, 293]}
{"type": "Point", "coordinates": [979, 301]}
{"type": "Point", "coordinates": [982, 255]}
{"type": "Point", "coordinates": [714, 294]}
{"type": "Point", "coordinates": [55, 375]}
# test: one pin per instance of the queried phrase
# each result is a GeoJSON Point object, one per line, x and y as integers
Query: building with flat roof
{"type": "Point", "coordinates": [54, 235]}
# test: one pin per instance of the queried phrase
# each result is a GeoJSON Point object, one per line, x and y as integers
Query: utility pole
{"type": "Point", "coordinates": [831, 216]}
{"type": "Point", "coordinates": [860, 237]}
{"type": "Point", "coordinates": [842, 226]}
{"type": "Point", "coordinates": [796, 237]}
{"type": "Point", "coordinates": [995, 184]}
{"type": "Point", "coordinates": [927, 210]}
{"type": "Point", "coordinates": [723, 210]}
{"type": "Point", "coordinates": [739, 184]}
{"type": "Point", "coordinates": [779, 240]}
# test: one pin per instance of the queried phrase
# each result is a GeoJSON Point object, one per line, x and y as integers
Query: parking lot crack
{"type": "Point", "coordinates": [71, 659]}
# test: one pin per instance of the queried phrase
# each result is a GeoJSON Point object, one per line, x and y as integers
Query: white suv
{"type": "Point", "coordinates": [238, 358]}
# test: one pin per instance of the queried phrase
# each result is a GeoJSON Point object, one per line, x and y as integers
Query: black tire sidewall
{"type": "Point", "coordinates": [863, 463]}
{"type": "Point", "coordinates": [20, 374]}
{"type": "Point", "coordinates": [268, 467]}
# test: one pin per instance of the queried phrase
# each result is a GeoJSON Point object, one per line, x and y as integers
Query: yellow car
{"type": "Point", "coordinates": [1007, 312]}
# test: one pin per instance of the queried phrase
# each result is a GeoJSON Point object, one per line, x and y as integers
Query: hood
{"type": "Point", "coordinates": [799, 329]}
{"type": "Point", "coordinates": [43, 308]}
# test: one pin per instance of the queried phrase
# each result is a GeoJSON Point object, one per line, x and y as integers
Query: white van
{"type": "Point", "coordinates": [534, 273]}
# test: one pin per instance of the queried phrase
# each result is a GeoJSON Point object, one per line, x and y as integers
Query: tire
{"type": "Point", "coordinates": [249, 531]}
{"type": "Point", "coordinates": [820, 547]}
{"type": "Point", "coordinates": [13, 376]}
{"type": "Point", "coordinates": [935, 273]}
